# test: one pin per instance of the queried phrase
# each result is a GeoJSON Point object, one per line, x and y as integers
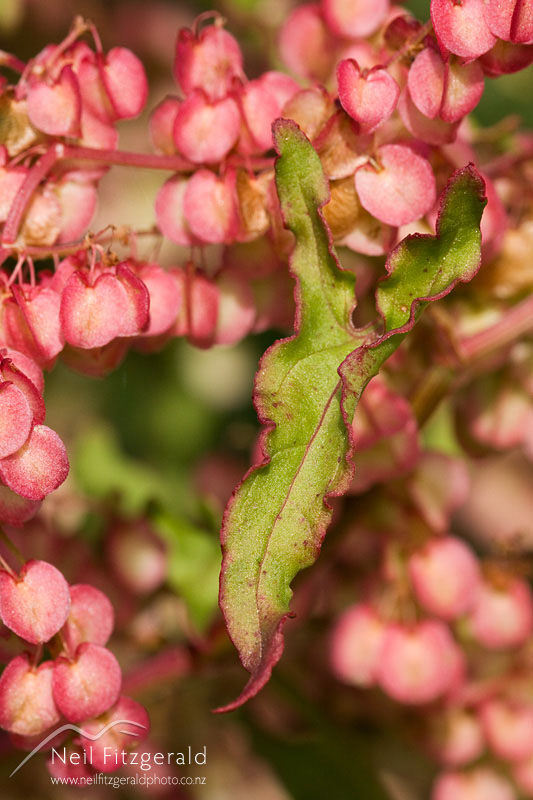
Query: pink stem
{"type": "Point", "coordinates": [151, 160]}
{"type": "Point", "coordinates": [39, 171]}
{"type": "Point", "coordinates": [11, 61]}
{"type": "Point", "coordinates": [167, 665]}
{"type": "Point", "coordinates": [515, 322]}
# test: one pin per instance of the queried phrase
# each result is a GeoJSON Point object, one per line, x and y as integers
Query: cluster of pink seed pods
{"type": "Point", "coordinates": [80, 684]}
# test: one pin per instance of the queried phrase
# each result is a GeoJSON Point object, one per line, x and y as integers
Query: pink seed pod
{"type": "Point", "coordinates": [384, 435]}
{"type": "Point", "coordinates": [10, 182]}
{"type": "Point", "coordinates": [432, 131]}
{"type": "Point", "coordinates": [96, 132]}
{"type": "Point", "coordinates": [95, 99]}
{"type": "Point", "coordinates": [354, 19]}
{"type": "Point", "coordinates": [426, 82]}
{"type": "Point", "coordinates": [417, 663]}
{"type": "Point", "coordinates": [42, 222]}
{"type": "Point", "coordinates": [162, 121]}
{"type": "Point", "coordinates": [210, 207]}
{"type": "Point", "coordinates": [125, 82]}
{"type": "Point", "coordinates": [137, 311]}
{"type": "Point", "coordinates": [88, 684]}
{"type": "Point", "coordinates": [14, 509]}
{"type": "Point", "coordinates": [369, 97]}
{"type": "Point", "coordinates": [198, 314]}
{"type": "Point", "coordinates": [481, 783]}
{"type": "Point", "coordinates": [458, 738]}
{"type": "Point", "coordinates": [236, 308]}
{"type": "Point", "coordinates": [55, 108]}
{"type": "Point", "coordinates": [400, 30]}
{"type": "Point", "coordinates": [508, 728]}
{"type": "Point", "coordinates": [36, 603]}
{"type": "Point", "coordinates": [204, 131]}
{"type": "Point", "coordinates": [463, 88]}
{"type": "Point", "coordinates": [26, 365]}
{"type": "Point", "coordinates": [401, 190]}
{"type": "Point", "coordinates": [439, 485]}
{"type": "Point", "coordinates": [137, 556]}
{"type": "Point", "coordinates": [311, 109]}
{"type": "Point", "coordinates": [261, 102]}
{"type": "Point", "coordinates": [97, 361]}
{"type": "Point", "coordinates": [16, 419]}
{"type": "Point", "coordinates": [40, 309]}
{"type": "Point", "coordinates": [78, 200]}
{"type": "Point", "coordinates": [461, 27]}
{"type": "Point", "coordinates": [446, 577]}
{"type": "Point", "coordinates": [209, 60]}
{"type": "Point", "coordinates": [494, 222]}
{"type": "Point", "coordinates": [370, 236]}
{"type": "Point", "coordinates": [170, 214]}
{"type": "Point", "coordinates": [91, 617]}
{"type": "Point", "coordinates": [27, 707]}
{"type": "Point", "coordinates": [306, 45]}
{"type": "Point", "coordinates": [59, 279]}
{"type": "Point", "coordinates": [105, 752]}
{"type": "Point", "coordinates": [72, 767]}
{"type": "Point", "coordinates": [165, 298]}
{"type": "Point", "coordinates": [502, 617]}
{"type": "Point", "coordinates": [340, 146]}
{"type": "Point", "coordinates": [356, 646]}
{"type": "Point", "coordinates": [505, 58]}
{"type": "Point", "coordinates": [39, 467]}
{"type": "Point", "coordinates": [510, 20]}
{"type": "Point", "coordinates": [93, 314]}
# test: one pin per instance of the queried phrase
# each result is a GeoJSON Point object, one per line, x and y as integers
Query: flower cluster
{"type": "Point", "coordinates": [81, 684]}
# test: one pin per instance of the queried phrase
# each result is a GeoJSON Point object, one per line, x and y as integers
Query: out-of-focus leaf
{"type": "Point", "coordinates": [103, 470]}
{"type": "Point", "coordinates": [193, 564]}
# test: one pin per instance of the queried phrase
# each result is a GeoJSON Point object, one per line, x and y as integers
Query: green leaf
{"type": "Point", "coordinates": [276, 520]}
{"type": "Point", "coordinates": [193, 565]}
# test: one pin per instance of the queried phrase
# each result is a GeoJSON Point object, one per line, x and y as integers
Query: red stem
{"type": "Point", "coordinates": [11, 61]}
{"type": "Point", "coordinates": [36, 174]}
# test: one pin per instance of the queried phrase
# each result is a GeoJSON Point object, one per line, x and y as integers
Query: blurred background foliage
{"type": "Point", "coordinates": [156, 435]}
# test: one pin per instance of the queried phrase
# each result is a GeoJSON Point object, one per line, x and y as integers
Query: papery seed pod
{"type": "Point", "coordinates": [461, 28]}
{"type": "Point", "coordinates": [105, 752]}
{"type": "Point", "coordinates": [55, 108]}
{"type": "Point", "coordinates": [401, 189]}
{"type": "Point", "coordinates": [90, 618]}
{"type": "Point", "coordinates": [209, 60]}
{"type": "Point", "coordinates": [418, 663]}
{"type": "Point", "coordinates": [355, 19]}
{"type": "Point", "coordinates": [369, 97]}
{"type": "Point", "coordinates": [27, 707]}
{"type": "Point", "coordinates": [35, 603]}
{"type": "Point", "coordinates": [306, 45]}
{"type": "Point", "coordinates": [478, 784]}
{"type": "Point", "coordinates": [356, 645]}
{"type": "Point", "coordinates": [162, 121]}
{"type": "Point", "coordinates": [205, 131]}
{"type": "Point", "coordinates": [508, 728]}
{"type": "Point", "coordinates": [446, 577]}
{"type": "Point", "coordinates": [39, 467]}
{"type": "Point", "coordinates": [88, 684]}
{"type": "Point", "coordinates": [502, 616]}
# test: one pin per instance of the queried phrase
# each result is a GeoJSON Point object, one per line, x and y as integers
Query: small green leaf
{"type": "Point", "coordinates": [193, 565]}
{"type": "Point", "coordinates": [306, 391]}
